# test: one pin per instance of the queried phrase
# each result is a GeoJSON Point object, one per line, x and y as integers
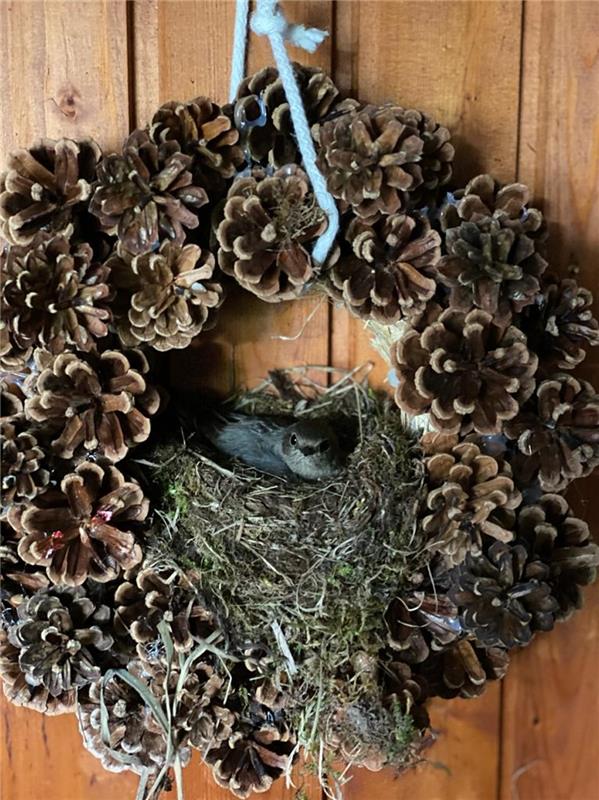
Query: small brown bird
{"type": "Point", "coordinates": [301, 449]}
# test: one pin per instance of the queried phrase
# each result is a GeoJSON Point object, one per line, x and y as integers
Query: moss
{"type": "Point", "coordinates": [305, 569]}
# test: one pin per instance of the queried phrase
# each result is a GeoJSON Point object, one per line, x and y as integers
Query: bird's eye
{"type": "Point", "coordinates": [293, 439]}
{"type": "Point", "coordinates": [324, 446]}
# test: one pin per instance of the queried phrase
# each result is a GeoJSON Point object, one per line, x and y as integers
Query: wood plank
{"type": "Point", "coordinates": [550, 730]}
{"type": "Point", "coordinates": [64, 74]}
{"type": "Point", "coordinates": [43, 757]}
{"type": "Point", "coordinates": [443, 60]}
{"type": "Point", "coordinates": [183, 50]}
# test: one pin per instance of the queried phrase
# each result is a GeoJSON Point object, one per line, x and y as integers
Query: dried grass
{"type": "Point", "coordinates": [304, 570]}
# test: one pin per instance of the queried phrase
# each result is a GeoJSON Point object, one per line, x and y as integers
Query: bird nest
{"type": "Point", "coordinates": [303, 572]}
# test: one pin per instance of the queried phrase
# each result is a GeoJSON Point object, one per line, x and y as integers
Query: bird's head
{"type": "Point", "coordinates": [311, 450]}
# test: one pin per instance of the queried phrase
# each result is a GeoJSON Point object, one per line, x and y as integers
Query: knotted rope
{"type": "Point", "coordinates": [269, 20]}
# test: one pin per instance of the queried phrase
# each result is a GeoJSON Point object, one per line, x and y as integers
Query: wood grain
{"type": "Point", "coordinates": [64, 74]}
{"type": "Point", "coordinates": [93, 68]}
{"type": "Point", "coordinates": [550, 742]}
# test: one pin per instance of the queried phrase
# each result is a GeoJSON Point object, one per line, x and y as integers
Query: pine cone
{"type": "Point", "coordinates": [405, 688]}
{"type": "Point", "coordinates": [389, 274]}
{"type": "Point", "coordinates": [374, 732]}
{"type": "Point", "coordinates": [560, 325]}
{"type": "Point", "coordinates": [44, 186]}
{"type": "Point", "coordinates": [464, 370]}
{"type": "Point", "coordinates": [20, 692]}
{"type": "Point", "coordinates": [550, 532]}
{"type": "Point", "coordinates": [267, 223]}
{"type": "Point", "coordinates": [262, 117]}
{"type": "Point", "coordinates": [168, 296]}
{"type": "Point", "coordinates": [86, 528]}
{"type": "Point", "coordinates": [383, 159]}
{"type": "Point", "coordinates": [12, 359]}
{"type": "Point", "coordinates": [258, 750]}
{"type": "Point", "coordinates": [421, 622]}
{"type": "Point", "coordinates": [205, 133]}
{"type": "Point", "coordinates": [23, 464]}
{"type": "Point", "coordinates": [504, 596]}
{"type": "Point", "coordinates": [492, 240]}
{"type": "Point", "coordinates": [149, 597]}
{"type": "Point", "coordinates": [147, 194]}
{"type": "Point", "coordinates": [557, 433]}
{"type": "Point", "coordinates": [465, 489]}
{"type": "Point", "coordinates": [54, 295]}
{"type": "Point", "coordinates": [11, 398]}
{"type": "Point", "coordinates": [96, 404]}
{"type": "Point", "coordinates": [463, 669]}
{"type": "Point", "coordinates": [18, 580]}
{"type": "Point", "coordinates": [137, 739]}
{"type": "Point", "coordinates": [406, 633]}
{"type": "Point", "coordinates": [61, 639]}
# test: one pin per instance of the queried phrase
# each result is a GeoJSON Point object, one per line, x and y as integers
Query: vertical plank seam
{"type": "Point", "coordinates": [131, 71]}
{"type": "Point", "coordinates": [520, 91]}
{"type": "Point", "coordinates": [330, 316]}
{"type": "Point", "coordinates": [503, 687]}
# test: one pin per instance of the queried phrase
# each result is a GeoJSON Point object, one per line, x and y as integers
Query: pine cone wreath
{"type": "Point", "coordinates": [560, 325]}
{"type": "Point", "coordinates": [261, 112]}
{"type": "Point", "coordinates": [205, 133]}
{"type": "Point", "coordinates": [24, 473]}
{"type": "Point", "coordinates": [44, 186]}
{"type": "Point", "coordinates": [382, 160]}
{"type": "Point", "coordinates": [465, 489]}
{"type": "Point", "coordinates": [59, 643]}
{"type": "Point", "coordinates": [54, 295]}
{"type": "Point", "coordinates": [169, 297]}
{"type": "Point", "coordinates": [266, 228]}
{"type": "Point", "coordinates": [504, 597]}
{"type": "Point", "coordinates": [463, 669]}
{"type": "Point", "coordinates": [465, 371]}
{"type": "Point", "coordinates": [557, 433]}
{"type": "Point", "coordinates": [259, 749]}
{"type": "Point", "coordinates": [492, 240]}
{"type": "Point", "coordinates": [87, 528]}
{"type": "Point", "coordinates": [389, 275]}
{"type": "Point", "coordinates": [147, 194]}
{"type": "Point", "coordinates": [97, 404]}
{"type": "Point", "coordinates": [550, 532]}
{"type": "Point", "coordinates": [150, 596]}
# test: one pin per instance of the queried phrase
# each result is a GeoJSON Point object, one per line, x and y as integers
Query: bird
{"type": "Point", "coordinates": [285, 447]}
